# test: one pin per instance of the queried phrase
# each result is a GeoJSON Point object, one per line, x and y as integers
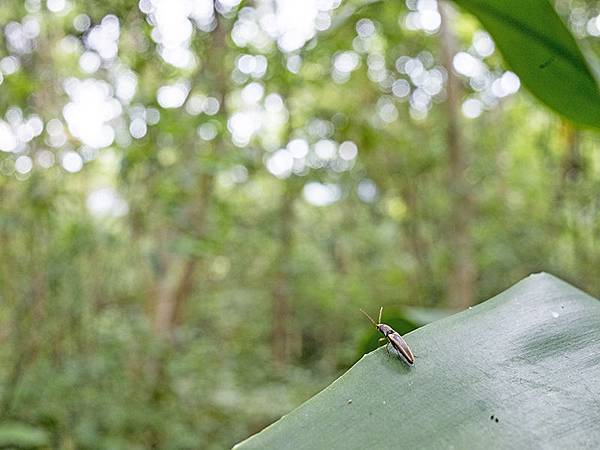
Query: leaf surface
{"type": "Point", "coordinates": [529, 357]}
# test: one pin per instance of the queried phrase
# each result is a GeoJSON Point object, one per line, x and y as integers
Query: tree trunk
{"type": "Point", "coordinates": [176, 281]}
{"type": "Point", "coordinates": [281, 335]}
{"type": "Point", "coordinates": [461, 283]}
{"type": "Point", "coordinates": [417, 244]}
{"type": "Point", "coordinates": [572, 164]}
{"type": "Point", "coordinates": [176, 285]}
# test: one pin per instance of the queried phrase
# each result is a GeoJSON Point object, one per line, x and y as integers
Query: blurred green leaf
{"type": "Point", "coordinates": [543, 53]}
{"type": "Point", "coordinates": [518, 371]}
{"type": "Point", "coordinates": [21, 435]}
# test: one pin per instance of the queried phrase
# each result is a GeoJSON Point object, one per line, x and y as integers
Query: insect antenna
{"type": "Point", "coordinates": [380, 312]}
{"type": "Point", "coordinates": [368, 317]}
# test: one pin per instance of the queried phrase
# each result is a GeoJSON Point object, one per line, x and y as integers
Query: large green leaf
{"type": "Point", "coordinates": [521, 370]}
{"type": "Point", "coordinates": [541, 50]}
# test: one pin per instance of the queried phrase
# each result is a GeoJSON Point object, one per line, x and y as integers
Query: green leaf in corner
{"type": "Point", "coordinates": [537, 45]}
{"type": "Point", "coordinates": [521, 370]}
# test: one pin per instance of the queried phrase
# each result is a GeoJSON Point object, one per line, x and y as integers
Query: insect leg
{"type": "Point", "coordinates": [387, 349]}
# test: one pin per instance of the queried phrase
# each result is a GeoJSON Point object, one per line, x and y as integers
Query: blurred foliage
{"type": "Point", "coordinates": [194, 204]}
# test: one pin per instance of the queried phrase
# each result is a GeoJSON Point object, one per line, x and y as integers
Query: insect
{"type": "Point", "coordinates": [393, 337]}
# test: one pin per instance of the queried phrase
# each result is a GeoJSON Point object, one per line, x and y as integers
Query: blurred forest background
{"type": "Point", "coordinates": [196, 199]}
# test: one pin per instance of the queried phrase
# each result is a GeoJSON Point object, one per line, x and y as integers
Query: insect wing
{"type": "Point", "coordinates": [401, 347]}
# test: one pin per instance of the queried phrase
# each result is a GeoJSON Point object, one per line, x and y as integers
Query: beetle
{"type": "Point", "coordinates": [393, 337]}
